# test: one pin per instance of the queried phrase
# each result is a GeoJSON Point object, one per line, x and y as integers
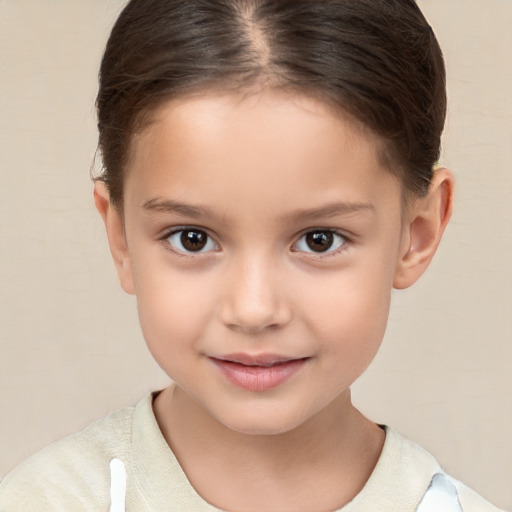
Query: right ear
{"type": "Point", "coordinates": [116, 236]}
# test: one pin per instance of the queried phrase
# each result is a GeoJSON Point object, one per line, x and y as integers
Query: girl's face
{"type": "Point", "coordinates": [263, 238]}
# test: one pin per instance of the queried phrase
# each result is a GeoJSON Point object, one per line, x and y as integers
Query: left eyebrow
{"type": "Point", "coordinates": [331, 210]}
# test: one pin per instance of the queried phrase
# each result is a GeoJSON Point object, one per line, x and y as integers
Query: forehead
{"type": "Point", "coordinates": [271, 145]}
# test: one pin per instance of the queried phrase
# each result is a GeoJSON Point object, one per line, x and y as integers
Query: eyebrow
{"type": "Point", "coordinates": [170, 206]}
{"type": "Point", "coordinates": [331, 210]}
{"type": "Point", "coordinates": [197, 212]}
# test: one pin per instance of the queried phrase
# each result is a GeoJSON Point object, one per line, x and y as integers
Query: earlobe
{"type": "Point", "coordinates": [424, 229]}
{"type": "Point", "coordinates": [116, 236]}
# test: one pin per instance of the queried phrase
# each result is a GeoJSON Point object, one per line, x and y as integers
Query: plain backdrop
{"type": "Point", "coordinates": [71, 350]}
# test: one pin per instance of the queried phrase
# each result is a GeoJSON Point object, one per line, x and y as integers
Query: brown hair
{"type": "Point", "coordinates": [376, 59]}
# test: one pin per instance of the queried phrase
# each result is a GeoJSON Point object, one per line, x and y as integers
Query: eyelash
{"type": "Point", "coordinates": [342, 238]}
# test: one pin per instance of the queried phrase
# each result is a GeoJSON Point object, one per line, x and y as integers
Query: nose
{"type": "Point", "coordinates": [254, 298]}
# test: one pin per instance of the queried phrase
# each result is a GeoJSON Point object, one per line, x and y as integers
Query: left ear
{"type": "Point", "coordinates": [425, 224]}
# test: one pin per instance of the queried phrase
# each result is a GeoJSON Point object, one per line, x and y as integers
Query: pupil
{"type": "Point", "coordinates": [193, 240]}
{"type": "Point", "coordinates": [319, 241]}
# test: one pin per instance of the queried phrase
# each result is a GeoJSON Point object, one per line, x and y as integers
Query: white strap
{"type": "Point", "coordinates": [117, 486]}
{"type": "Point", "coordinates": [440, 496]}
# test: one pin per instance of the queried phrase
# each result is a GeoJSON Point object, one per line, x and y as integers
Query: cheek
{"type": "Point", "coordinates": [174, 308]}
{"type": "Point", "coordinates": [352, 335]}
{"type": "Point", "coordinates": [349, 312]}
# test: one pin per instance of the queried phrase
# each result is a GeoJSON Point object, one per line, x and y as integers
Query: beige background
{"type": "Point", "coordinates": [71, 350]}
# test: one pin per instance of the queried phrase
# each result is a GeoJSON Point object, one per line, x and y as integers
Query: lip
{"type": "Point", "coordinates": [259, 372]}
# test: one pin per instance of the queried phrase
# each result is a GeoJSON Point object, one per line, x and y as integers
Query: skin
{"type": "Point", "coordinates": [267, 168]}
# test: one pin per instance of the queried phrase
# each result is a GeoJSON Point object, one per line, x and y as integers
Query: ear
{"type": "Point", "coordinates": [423, 229]}
{"type": "Point", "coordinates": [113, 220]}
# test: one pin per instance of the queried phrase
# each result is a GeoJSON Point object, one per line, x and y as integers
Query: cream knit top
{"type": "Point", "coordinates": [123, 463]}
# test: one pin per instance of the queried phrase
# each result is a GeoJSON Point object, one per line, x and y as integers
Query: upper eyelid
{"type": "Point", "coordinates": [341, 232]}
{"type": "Point", "coordinates": [166, 233]}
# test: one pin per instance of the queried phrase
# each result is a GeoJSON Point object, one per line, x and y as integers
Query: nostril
{"type": "Point", "coordinates": [256, 325]}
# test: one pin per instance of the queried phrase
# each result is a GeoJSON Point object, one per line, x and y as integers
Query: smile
{"type": "Point", "coordinates": [258, 373]}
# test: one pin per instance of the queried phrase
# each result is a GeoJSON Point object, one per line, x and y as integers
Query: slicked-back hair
{"type": "Point", "coordinates": [376, 60]}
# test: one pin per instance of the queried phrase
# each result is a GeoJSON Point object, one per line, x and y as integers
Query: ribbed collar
{"type": "Point", "coordinates": [156, 481]}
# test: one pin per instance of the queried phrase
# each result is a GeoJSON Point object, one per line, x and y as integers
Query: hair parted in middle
{"type": "Point", "coordinates": [376, 60]}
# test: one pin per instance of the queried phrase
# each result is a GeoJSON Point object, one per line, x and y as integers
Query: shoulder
{"type": "Point", "coordinates": [71, 474]}
{"type": "Point", "coordinates": [408, 478]}
{"type": "Point", "coordinates": [470, 500]}
{"type": "Point", "coordinates": [442, 492]}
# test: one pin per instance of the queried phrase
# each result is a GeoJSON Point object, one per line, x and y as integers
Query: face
{"type": "Point", "coordinates": [262, 243]}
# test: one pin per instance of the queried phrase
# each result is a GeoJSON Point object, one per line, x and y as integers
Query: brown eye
{"type": "Point", "coordinates": [320, 241]}
{"type": "Point", "coordinates": [194, 240]}
{"type": "Point", "coordinates": [191, 240]}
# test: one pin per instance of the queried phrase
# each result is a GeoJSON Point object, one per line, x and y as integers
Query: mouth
{"type": "Point", "coordinates": [260, 372]}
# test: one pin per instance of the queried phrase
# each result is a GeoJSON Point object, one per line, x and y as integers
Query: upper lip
{"type": "Point", "coordinates": [256, 359]}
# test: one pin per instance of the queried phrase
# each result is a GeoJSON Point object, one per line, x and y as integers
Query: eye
{"type": "Point", "coordinates": [320, 241]}
{"type": "Point", "coordinates": [191, 240]}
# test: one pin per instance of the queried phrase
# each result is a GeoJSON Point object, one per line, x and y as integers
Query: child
{"type": "Point", "coordinates": [268, 179]}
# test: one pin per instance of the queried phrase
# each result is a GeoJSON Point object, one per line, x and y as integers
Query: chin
{"type": "Point", "coordinates": [262, 423]}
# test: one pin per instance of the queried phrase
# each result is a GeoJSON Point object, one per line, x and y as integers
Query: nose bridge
{"type": "Point", "coordinates": [253, 298]}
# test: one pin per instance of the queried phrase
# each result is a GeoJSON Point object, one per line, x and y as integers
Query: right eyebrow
{"type": "Point", "coordinates": [170, 206]}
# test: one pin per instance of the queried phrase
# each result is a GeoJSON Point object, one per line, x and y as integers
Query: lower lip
{"type": "Point", "coordinates": [259, 378]}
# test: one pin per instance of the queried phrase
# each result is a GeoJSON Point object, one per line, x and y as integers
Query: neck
{"type": "Point", "coordinates": [324, 462]}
